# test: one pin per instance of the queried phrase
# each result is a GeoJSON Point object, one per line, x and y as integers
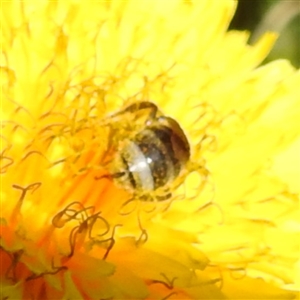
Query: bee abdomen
{"type": "Point", "coordinates": [153, 154]}
{"type": "Point", "coordinates": [149, 161]}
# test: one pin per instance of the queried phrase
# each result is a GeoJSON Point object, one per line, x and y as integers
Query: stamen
{"type": "Point", "coordinates": [15, 258]}
{"type": "Point", "coordinates": [111, 240]}
{"type": "Point", "coordinates": [144, 235]}
{"type": "Point", "coordinates": [72, 240]}
{"type": "Point", "coordinates": [32, 187]}
{"type": "Point", "coordinates": [169, 284]}
{"type": "Point", "coordinates": [57, 220]}
{"type": "Point", "coordinates": [169, 295]}
{"type": "Point", "coordinates": [211, 203]}
{"type": "Point", "coordinates": [4, 167]}
{"type": "Point", "coordinates": [94, 218]}
{"type": "Point", "coordinates": [221, 279]}
{"type": "Point", "coordinates": [125, 204]}
{"type": "Point", "coordinates": [35, 276]}
{"type": "Point", "coordinates": [237, 272]}
{"type": "Point", "coordinates": [33, 152]}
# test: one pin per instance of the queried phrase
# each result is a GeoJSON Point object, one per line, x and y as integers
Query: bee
{"type": "Point", "coordinates": [152, 155]}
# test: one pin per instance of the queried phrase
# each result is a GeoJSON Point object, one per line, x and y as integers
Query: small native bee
{"type": "Point", "coordinates": [152, 157]}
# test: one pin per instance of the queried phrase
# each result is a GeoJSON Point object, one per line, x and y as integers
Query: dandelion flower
{"type": "Point", "coordinates": [231, 228]}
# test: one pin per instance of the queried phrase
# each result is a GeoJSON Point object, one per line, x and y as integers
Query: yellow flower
{"type": "Point", "coordinates": [231, 228]}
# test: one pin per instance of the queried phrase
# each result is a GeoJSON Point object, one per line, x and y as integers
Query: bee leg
{"type": "Point", "coordinates": [110, 176]}
{"type": "Point", "coordinates": [140, 106]}
{"type": "Point", "coordinates": [163, 197]}
{"type": "Point", "coordinates": [117, 174]}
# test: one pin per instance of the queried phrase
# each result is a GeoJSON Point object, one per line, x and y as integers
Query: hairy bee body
{"type": "Point", "coordinates": [153, 157]}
